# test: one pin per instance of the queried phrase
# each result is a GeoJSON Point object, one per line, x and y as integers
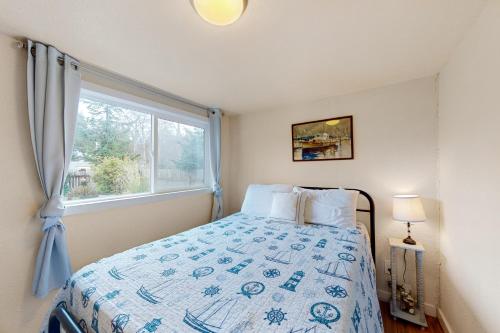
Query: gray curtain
{"type": "Point", "coordinates": [214, 116]}
{"type": "Point", "coordinates": [53, 81]}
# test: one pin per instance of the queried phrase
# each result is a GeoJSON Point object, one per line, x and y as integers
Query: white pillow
{"type": "Point", "coordinates": [330, 207]}
{"type": "Point", "coordinates": [288, 207]}
{"type": "Point", "coordinates": [259, 198]}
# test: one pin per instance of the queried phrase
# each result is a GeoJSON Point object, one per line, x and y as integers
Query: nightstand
{"type": "Point", "coordinates": [419, 316]}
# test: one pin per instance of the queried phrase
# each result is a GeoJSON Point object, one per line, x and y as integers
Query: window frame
{"type": "Point", "coordinates": [157, 111]}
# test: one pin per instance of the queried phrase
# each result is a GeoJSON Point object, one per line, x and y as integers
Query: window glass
{"type": "Point", "coordinates": [112, 151]}
{"type": "Point", "coordinates": [181, 156]}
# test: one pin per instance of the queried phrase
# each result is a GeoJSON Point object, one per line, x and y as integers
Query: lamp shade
{"type": "Point", "coordinates": [408, 208]}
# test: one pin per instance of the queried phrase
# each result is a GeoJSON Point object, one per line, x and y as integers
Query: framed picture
{"type": "Point", "coordinates": [320, 140]}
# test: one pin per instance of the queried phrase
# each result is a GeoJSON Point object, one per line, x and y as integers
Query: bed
{"type": "Point", "coordinates": [239, 274]}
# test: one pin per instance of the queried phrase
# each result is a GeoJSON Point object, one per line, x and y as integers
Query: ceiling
{"type": "Point", "coordinates": [279, 53]}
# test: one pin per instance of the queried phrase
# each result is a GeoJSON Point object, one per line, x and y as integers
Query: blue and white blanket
{"type": "Point", "coordinates": [239, 274]}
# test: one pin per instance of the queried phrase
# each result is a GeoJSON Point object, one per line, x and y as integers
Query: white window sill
{"type": "Point", "coordinates": [87, 206]}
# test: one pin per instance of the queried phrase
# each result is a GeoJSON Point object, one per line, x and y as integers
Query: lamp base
{"type": "Point", "coordinates": [409, 240]}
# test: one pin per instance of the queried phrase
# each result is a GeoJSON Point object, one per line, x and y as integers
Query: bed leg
{"type": "Point", "coordinates": [54, 325]}
{"type": "Point", "coordinates": [61, 317]}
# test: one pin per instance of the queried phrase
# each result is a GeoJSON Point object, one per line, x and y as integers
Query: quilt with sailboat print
{"type": "Point", "coordinates": [239, 274]}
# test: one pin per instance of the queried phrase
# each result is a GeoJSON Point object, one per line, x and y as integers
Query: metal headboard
{"type": "Point", "coordinates": [370, 211]}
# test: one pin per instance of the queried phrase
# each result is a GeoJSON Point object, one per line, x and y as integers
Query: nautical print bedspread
{"type": "Point", "coordinates": [239, 274]}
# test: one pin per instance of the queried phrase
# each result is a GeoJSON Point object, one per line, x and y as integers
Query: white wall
{"type": "Point", "coordinates": [469, 141]}
{"type": "Point", "coordinates": [395, 143]}
{"type": "Point", "coordinates": [90, 236]}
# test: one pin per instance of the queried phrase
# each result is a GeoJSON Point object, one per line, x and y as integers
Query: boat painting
{"type": "Point", "coordinates": [327, 139]}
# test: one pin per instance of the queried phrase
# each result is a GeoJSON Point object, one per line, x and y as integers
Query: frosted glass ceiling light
{"type": "Point", "coordinates": [220, 12]}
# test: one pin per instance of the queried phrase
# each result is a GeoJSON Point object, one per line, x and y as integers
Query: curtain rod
{"type": "Point", "coordinates": [131, 82]}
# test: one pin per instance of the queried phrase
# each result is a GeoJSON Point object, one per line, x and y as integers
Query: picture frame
{"type": "Point", "coordinates": [323, 140]}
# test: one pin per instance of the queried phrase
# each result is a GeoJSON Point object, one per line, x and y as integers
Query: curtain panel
{"type": "Point", "coordinates": [214, 118]}
{"type": "Point", "coordinates": [53, 86]}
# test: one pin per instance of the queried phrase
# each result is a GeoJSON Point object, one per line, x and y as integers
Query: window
{"type": "Point", "coordinates": [127, 147]}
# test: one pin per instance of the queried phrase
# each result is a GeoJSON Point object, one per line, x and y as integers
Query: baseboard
{"type": "Point", "coordinates": [445, 324]}
{"type": "Point", "coordinates": [429, 309]}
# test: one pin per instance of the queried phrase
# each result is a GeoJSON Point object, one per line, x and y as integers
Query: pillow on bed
{"type": "Point", "coordinates": [288, 207]}
{"type": "Point", "coordinates": [259, 198]}
{"type": "Point", "coordinates": [330, 207]}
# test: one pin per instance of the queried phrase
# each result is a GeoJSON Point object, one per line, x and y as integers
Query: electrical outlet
{"type": "Point", "coordinates": [387, 266]}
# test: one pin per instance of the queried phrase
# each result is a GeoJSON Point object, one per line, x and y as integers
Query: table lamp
{"type": "Point", "coordinates": [408, 209]}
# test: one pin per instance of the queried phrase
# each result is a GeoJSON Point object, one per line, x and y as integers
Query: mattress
{"type": "Point", "coordinates": [239, 274]}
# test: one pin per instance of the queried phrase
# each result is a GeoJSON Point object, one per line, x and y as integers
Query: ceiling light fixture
{"type": "Point", "coordinates": [220, 12]}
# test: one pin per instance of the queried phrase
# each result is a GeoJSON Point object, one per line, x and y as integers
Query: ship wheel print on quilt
{"type": "Point", "coordinates": [271, 273]}
{"type": "Point", "coordinates": [336, 291]}
{"type": "Point", "coordinates": [275, 316]}
{"type": "Point", "coordinates": [211, 291]}
{"type": "Point", "coordinates": [168, 272]}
